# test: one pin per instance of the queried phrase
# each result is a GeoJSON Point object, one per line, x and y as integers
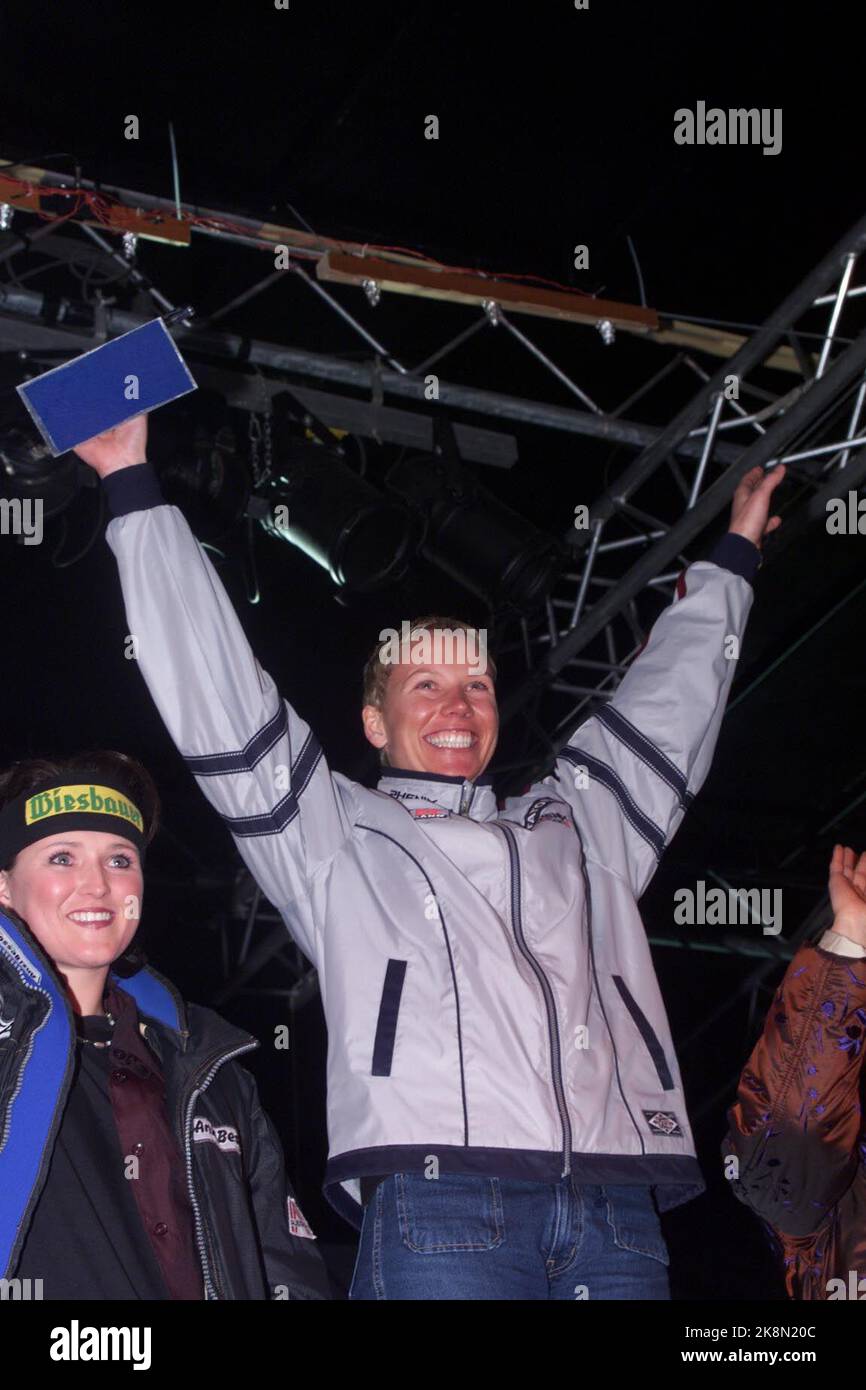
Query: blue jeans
{"type": "Point", "coordinates": [457, 1237]}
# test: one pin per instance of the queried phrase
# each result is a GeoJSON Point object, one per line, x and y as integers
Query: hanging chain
{"type": "Point", "coordinates": [268, 455]}
{"type": "Point", "coordinates": [258, 435]}
{"type": "Point", "coordinates": [254, 434]}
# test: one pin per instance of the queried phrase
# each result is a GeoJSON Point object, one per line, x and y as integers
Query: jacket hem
{"type": "Point", "coordinates": [676, 1178]}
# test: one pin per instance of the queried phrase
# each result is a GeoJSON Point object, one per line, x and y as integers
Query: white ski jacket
{"type": "Point", "coordinates": [489, 991]}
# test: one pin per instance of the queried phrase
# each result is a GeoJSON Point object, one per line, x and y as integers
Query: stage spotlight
{"type": "Point", "coordinates": [205, 477]}
{"type": "Point", "coordinates": [363, 540]}
{"type": "Point", "coordinates": [473, 537]}
{"type": "Point", "coordinates": [197, 451]}
{"type": "Point", "coordinates": [311, 499]}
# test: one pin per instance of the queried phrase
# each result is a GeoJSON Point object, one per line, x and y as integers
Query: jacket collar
{"type": "Point", "coordinates": [155, 998]}
{"type": "Point", "coordinates": [461, 798]}
{"type": "Point", "coordinates": [189, 1028]}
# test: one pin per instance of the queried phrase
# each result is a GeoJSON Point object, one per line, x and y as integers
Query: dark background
{"type": "Point", "coordinates": [556, 129]}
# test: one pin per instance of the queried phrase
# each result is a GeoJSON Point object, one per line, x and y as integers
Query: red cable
{"type": "Point", "coordinates": [100, 205]}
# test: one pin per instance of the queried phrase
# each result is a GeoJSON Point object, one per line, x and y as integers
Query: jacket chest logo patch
{"type": "Point", "coordinates": [17, 957]}
{"type": "Point", "coordinates": [419, 812]}
{"type": "Point", "coordinates": [298, 1222]}
{"type": "Point", "coordinates": [663, 1122]}
{"type": "Point", "coordinates": [547, 808]}
{"type": "Point", "coordinates": [225, 1138]}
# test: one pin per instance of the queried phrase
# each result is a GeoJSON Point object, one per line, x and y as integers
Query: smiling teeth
{"type": "Point", "coordinates": [450, 740]}
{"type": "Point", "coordinates": [91, 916]}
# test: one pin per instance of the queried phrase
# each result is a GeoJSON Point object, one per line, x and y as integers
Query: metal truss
{"type": "Point", "coordinates": [592, 629]}
{"type": "Point", "coordinates": [41, 332]}
{"type": "Point", "coordinates": [252, 935]}
{"type": "Point", "coordinates": [34, 325]}
{"type": "Point", "coordinates": [793, 392]}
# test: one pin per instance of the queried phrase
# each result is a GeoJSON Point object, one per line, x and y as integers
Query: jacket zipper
{"type": "Point", "coordinates": [552, 1024]}
{"type": "Point", "coordinates": [210, 1291]}
{"type": "Point", "coordinates": [467, 796]}
{"type": "Point", "coordinates": [27, 980]}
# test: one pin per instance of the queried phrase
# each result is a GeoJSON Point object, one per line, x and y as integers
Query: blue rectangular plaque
{"type": "Point", "coordinates": [126, 376]}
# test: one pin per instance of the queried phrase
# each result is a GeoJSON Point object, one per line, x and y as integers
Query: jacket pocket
{"type": "Point", "coordinates": [647, 1032]}
{"type": "Point", "coordinates": [386, 1025]}
{"type": "Point", "coordinates": [458, 1212]}
{"type": "Point", "coordinates": [632, 1217]}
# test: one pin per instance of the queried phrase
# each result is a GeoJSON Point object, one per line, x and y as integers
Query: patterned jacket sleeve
{"type": "Point", "coordinates": [795, 1127]}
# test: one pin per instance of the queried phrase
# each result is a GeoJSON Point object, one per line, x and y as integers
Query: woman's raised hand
{"type": "Point", "coordinates": [120, 447]}
{"type": "Point", "coordinates": [848, 893]}
{"type": "Point", "coordinates": [751, 504]}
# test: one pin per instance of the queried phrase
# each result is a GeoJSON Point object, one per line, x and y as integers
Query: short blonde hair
{"type": "Point", "coordinates": [376, 671]}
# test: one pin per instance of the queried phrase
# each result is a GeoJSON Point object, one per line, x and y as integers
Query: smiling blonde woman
{"type": "Point", "coordinates": [505, 1112]}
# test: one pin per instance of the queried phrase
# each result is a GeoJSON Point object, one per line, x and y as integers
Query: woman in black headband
{"type": "Point", "coordinates": [136, 1161]}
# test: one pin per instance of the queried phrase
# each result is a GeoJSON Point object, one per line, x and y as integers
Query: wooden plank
{"type": "Point", "coordinates": [403, 274]}
{"type": "Point", "coordinates": [722, 343]}
{"type": "Point", "coordinates": [427, 282]}
{"type": "Point", "coordinates": [17, 197]}
{"type": "Point", "coordinates": [153, 224]}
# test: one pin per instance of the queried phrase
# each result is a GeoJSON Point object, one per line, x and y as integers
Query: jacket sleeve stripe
{"type": "Point", "coordinates": [220, 764]}
{"type": "Point", "coordinates": [621, 728]}
{"type": "Point", "coordinates": [608, 778]}
{"type": "Point", "coordinates": [275, 821]}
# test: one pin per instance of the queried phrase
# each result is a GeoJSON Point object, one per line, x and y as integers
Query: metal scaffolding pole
{"type": "Point", "coordinates": [26, 324]}
{"type": "Point", "coordinates": [581, 616]}
{"type": "Point", "coordinates": [750, 355]}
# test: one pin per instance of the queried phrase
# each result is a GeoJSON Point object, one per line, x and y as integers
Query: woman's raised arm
{"type": "Point", "coordinates": [255, 759]}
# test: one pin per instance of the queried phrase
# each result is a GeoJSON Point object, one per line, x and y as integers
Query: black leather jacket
{"type": "Point", "coordinates": [242, 1202]}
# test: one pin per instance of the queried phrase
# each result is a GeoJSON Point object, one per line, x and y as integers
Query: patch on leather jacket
{"type": "Point", "coordinates": [298, 1224]}
{"type": "Point", "coordinates": [18, 958]}
{"type": "Point", "coordinates": [224, 1136]}
{"type": "Point", "coordinates": [663, 1122]}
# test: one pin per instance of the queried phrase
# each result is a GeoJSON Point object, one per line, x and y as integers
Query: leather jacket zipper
{"type": "Point", "coordinates": [207, 1075]}
{"type": "Point", "coordinates": [27, 980]}
{"type": "Point", "coordinates": [550, 1006]}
